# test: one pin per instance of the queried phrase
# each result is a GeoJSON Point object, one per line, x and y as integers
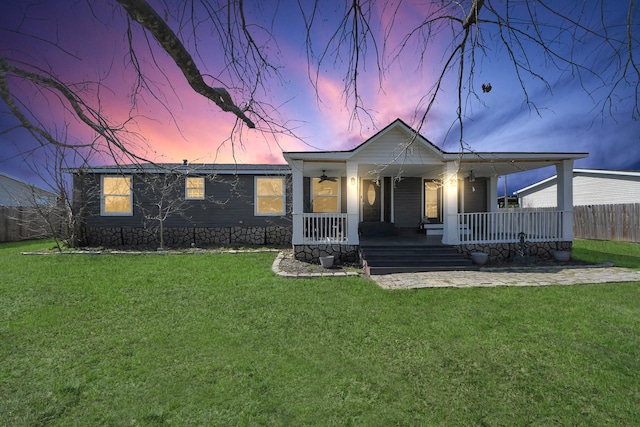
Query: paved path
{"type": "Point", "coordinates": [543, 276]}
{"type": "Point", "coordinates": [488, 277]}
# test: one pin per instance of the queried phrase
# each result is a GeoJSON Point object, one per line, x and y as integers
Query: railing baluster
{"type": "Point", "coordinates": [506, 225]}
{"type": "Point", "coordinates": [325, 227]}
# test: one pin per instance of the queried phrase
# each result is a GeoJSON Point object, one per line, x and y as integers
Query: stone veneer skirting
{"type": "Point", "coordinates": [506, 251]}
{"type": "Point", "coordinates": [185, 237]}
{"type": "Point", "coordinates": [341, 253]}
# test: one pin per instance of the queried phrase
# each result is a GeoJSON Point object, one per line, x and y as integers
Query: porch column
{"type": "Point", "coordinates": [297, 189]}
{"type": "Point", "coordinates": [564, 181]}
{"type": "Point", "coordinates": [450, 204]}
{"type": "Point", "coordinates": [492, 194]}
{"type": "Point", "coordinates": [353, 207]}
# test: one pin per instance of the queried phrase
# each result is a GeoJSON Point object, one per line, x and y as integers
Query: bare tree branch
{"type": "Point", "coordinates": [141, 12]}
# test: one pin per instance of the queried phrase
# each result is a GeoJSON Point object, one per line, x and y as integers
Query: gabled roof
{"type": "Point", "coordinates": [191, 168]}
{"type": "Point", "coordinates": [601, 172]}
{"type": "Point", "coordinates": [14, 192]}
{"type": "Point", "coordinates": [347, 154]}
{"type": "Point", "coordinates": [467, 159]}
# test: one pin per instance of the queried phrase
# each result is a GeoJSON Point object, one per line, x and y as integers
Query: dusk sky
{"type": "Point", "coordinates": [95, 49]}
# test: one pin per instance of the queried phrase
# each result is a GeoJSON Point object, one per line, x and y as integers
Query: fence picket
{"type": "Point", "coordinates": [607, 222]}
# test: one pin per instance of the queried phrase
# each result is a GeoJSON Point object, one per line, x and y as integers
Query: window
{"type": "Point", "coordinates": [325, 195]}
{"type": "Point", "coordinates": [116, 196]}
{"type": "Point", "coordinates": [270, 197]}
{"type": "Point", "coordinates": [194, 188]}
{"type": "Point", "coordinates": [433, 201]}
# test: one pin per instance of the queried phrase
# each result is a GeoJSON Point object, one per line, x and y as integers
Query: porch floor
{"type": "Point", "coordinates": [402, 237]}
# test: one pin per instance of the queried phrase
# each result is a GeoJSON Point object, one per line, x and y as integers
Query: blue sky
{"type": "Point", "coordinates": [567, 118]}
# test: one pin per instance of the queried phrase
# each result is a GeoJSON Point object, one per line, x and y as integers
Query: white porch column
{"type": "Point", "coordinates": [297, 189]}
{"type": "Point", "coordinates": [450, 204]}
{"type": "Point", "coordinates": [492, 194]}
{"type": "Point", "coordinates": [564, 181]}
{"type": "Point", "coordinates": [353, 207]}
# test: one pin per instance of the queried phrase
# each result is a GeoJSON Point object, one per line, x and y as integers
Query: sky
{"type": "Point", "coordinates": [86, 42]}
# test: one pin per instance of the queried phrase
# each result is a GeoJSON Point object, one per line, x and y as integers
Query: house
{"type": "Point", "coordinates": [183, 204]}
{"type": "Point", "coordinates": [323, 203]}
{"type": "Point", "coordinates": [14, 192]}
{"type": "Point", "coordinates": [590, 187]}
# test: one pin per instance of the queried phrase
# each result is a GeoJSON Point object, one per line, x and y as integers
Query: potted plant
{"type": "Point", "coordinates": [326, 261]}
{"type": "Point", "coordinates": [562, 256]}
{"type": "Point", "coordinates": [479, 258]}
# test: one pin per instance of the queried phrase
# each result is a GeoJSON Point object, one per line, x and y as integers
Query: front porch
{"type": "Point", "coordinates": [400, 178]}
{"type": "Point", "coordinates": [500, 234]}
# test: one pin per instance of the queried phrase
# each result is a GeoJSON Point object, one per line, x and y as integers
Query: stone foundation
{"type": "Point", "coordinates": [341, 253]}
{"type": "Point", "coordinates": [185, 237]}
{"type": "Point", "coordinates": [499, 252]}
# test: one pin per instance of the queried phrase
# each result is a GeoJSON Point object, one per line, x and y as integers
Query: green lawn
{"type": "Point", "coordinates": [220, 340]}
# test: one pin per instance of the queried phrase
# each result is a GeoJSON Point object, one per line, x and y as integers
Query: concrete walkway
{"type": "Point", "coordinates": [535, 276]}
{"type": "Point", "coordinates": [486, 277]}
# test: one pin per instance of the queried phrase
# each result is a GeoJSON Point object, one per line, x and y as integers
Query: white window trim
{"type": "Point", "coordinates": [186, 188]}
{"type": "Point", "coordinates": [338, 196]}
{"type": "Point", "coordinates": [102, 196]}
{"type": "Point", "coordinates": [255, 196]}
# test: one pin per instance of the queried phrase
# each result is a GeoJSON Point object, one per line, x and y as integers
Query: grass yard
{"type": "Point", "coordinates": [220, 340]}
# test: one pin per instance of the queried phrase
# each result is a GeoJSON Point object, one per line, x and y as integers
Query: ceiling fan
{"type": "Point", "coordinates": [324, 177]}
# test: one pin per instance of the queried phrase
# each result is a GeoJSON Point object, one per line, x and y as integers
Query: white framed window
{"type": "Point", "coordinates": [433, 200]}
{"type": "Point", "coordinates": [325, 195]}
{"type": "Point", "coordinates": [269, 195]}
{"type": "Point", "coordinates": [116, 196]}
{"type": "Point", "coordinates": [194, 188]}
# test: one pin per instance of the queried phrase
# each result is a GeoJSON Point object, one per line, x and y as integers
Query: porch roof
{"type": "Point", "coordinates": [483, 164]}
{"type": "Point", "coordinates": [190, 168]}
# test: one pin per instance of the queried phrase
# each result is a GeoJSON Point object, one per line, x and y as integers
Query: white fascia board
{"type": "Point", "coordinates": [536, 185]}
{"type": "Point", "coordinates": [606, 172]}
{"type": "Point", "coordinates": [318, 155]}
{"type": "Point", "coordinates": [489, 157]}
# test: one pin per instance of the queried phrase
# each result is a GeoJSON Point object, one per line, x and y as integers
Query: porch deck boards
{"type": "Point", "coordinates": [403, 238]}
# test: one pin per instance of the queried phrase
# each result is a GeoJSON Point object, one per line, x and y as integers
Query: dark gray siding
{"type": "Point", "coordinates": [229, 201]}
{"type": "Point", "coordinates": [407, 202]}
{"type": "Point", "coordinates": [475, 201]}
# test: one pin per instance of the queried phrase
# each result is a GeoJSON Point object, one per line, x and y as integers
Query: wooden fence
{"type": "Point", "coordinates": [607, 222]}
{"type": "Point", "coordinates": [23, 223]}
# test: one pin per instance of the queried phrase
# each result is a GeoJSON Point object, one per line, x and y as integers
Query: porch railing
{"type": "Point", "coordinates": [506, 226]}
{"type": "Point", "coordinates": [324, 227]}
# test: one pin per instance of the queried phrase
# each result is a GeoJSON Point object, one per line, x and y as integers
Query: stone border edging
{"type": "Point", "coordinates": [275, 267]}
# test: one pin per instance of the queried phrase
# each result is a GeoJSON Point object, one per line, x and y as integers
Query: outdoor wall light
{"type": "Point", "coordinates": [472, 176]}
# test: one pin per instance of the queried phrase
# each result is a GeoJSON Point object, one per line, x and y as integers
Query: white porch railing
{"type": "Point", "coordinates": [324, 228]}
{"type": "Point", "coordinates": [506, 226]}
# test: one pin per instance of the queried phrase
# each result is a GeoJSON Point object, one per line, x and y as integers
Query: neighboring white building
{"type": "Point", "coordinates": [590, 187]}
{"type": "Point", "coordinates": [14, 192]}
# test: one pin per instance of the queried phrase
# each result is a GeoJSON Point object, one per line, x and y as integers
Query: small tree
{"type": "Point", "coordinates": [161, 198]}
{"type": "Point", "coordinates": [60, 219]}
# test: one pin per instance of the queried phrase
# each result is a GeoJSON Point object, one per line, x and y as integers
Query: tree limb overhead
{"type": "Point", "coordinates": [141, 12]}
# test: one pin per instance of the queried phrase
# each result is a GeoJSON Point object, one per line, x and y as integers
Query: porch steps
{"type": "Point", "coordinates": [412, 258]}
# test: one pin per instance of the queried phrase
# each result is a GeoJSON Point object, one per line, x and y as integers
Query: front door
{"type": "Point", "coordinates": [371, 202]}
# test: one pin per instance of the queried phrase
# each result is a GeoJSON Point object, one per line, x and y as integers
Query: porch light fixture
{"type": "Point", "coordinates": [353, 180]}
{"type": "Point", "coordinates": [472, 176]}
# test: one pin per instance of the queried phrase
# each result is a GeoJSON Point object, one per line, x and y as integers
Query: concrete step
{"type": "Point", "coordinates": [415, 269]}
